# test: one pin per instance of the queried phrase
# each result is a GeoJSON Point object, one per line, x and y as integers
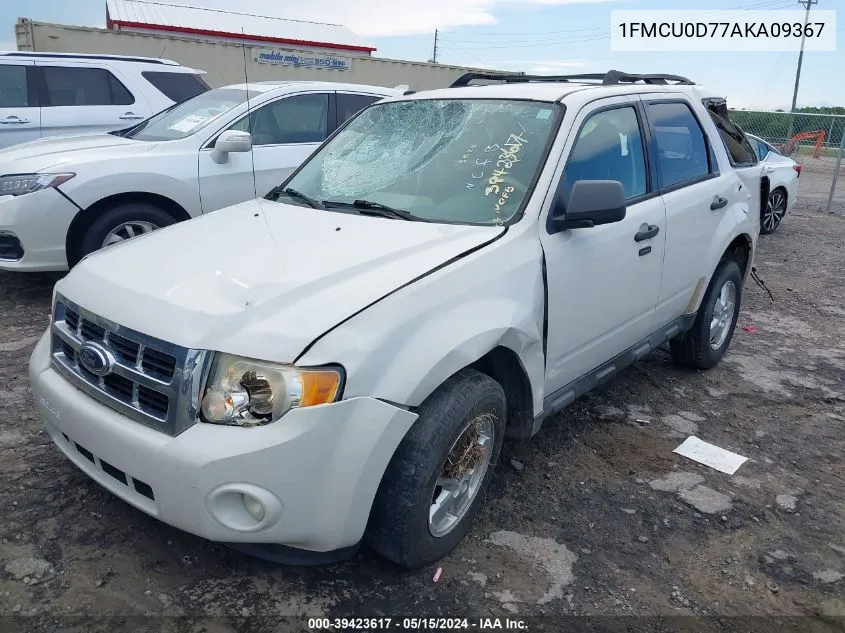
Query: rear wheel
{"type": "Point", "coordinates": [710, 336]}
{"type": "Point", "coordinates": [435, 482]}
{"type": "Point", "coordinates": [122, 223]}
{"type": "Point", "coordinates": [774, 212]}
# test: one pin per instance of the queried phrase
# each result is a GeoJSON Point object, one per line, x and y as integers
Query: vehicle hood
{"type": "Point", "coordinates": [67, 150]}
{"type": "Point", "coordinates": [261, 279]}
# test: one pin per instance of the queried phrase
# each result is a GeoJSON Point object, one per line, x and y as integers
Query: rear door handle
{"type": "Point", "coordinates": [131, 116]}
{"type": "Point", "coordinates": [769, 169]}
{"type": "Point", "coordinates": [13, 120]}
{"type": "Point", "coordinates": [718, 203]}
{"type": "Point", "coordinates": [647, 233]}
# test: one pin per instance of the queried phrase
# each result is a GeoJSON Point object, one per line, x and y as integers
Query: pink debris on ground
{"type": "Point", "coordinates": [437, 574]}
{"type": "Point", "coordinates": [750, 329]}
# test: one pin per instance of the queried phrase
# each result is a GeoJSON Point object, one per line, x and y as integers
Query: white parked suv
{"type": "Point", "coordinates": [343, 359]}
{"type": "Point", "coordinates": [63, 198]}
{"type": "Point", "coordinates": [51, 94]}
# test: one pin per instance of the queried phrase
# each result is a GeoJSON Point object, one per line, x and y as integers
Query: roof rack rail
{"type": "Point", "coordinates": [122, 58]}
{"type": "Point", "coordinates": [610, 78]}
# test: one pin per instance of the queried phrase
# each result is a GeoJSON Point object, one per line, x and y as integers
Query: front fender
{"type": "Point", "coordinates": [109, 183]}
{"type": "Point", "coordinates": [403, 347]}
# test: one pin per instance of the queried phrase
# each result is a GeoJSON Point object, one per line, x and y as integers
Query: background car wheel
{"type": "Point", "coordinates": [708, 340]}
{"type": "Point", "coordinates": [436, 480]}
{"type": "Point", "coordinates": [774, 212]}
{"type": "Point", "coordinates": [122, 223]}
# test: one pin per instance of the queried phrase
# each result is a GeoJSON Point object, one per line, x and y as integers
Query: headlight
{"type": "Point", "coordinates": [18, 185]}
{"type": "Point", "coordinates": [246, 392]}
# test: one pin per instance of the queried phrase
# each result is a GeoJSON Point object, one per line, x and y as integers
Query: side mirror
{"type": "Point", "coordinates": [591, 203]}
{"type": "Point", "coordinates": [230, 141]}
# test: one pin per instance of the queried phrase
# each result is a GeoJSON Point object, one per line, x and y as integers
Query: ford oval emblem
{"type": "Point", "coordinates": [96, 359]}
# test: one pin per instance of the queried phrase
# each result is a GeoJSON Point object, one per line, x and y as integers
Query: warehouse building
{"type": "Point", "coordinates": [230, 45]}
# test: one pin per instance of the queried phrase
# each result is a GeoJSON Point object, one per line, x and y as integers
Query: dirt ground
{"type": "Point", "coordinates": [595, 516]}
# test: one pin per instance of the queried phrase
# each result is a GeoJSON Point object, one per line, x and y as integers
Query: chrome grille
{"type": "Point", "coordinates": [154, 382]}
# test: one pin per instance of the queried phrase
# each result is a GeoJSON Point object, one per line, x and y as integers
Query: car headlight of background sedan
{"type": "Point", "coordinates": [20, 184]}
{"type": "Point", "coordinates": [247, 392]}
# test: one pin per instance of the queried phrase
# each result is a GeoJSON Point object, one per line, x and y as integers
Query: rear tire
{"type": "Point", "coordinates": [775, 210]}
{"type": "Point", "coordinates": [710, 336]}
{"type": "Point", "coordinates": [406, 524]}
{"type": "Point", "coordinates": [121, 222]}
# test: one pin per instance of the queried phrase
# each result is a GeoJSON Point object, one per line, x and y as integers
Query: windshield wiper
{"type": "Point", "coordinates": [293, 193]}
{"type": "Point", "coordinates": [367, 207]}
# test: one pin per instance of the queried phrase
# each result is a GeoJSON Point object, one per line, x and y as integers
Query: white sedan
{"type": "Point", "coordinates": [64, 197]}
{"type": "Point", "coordinates": [783, 174]}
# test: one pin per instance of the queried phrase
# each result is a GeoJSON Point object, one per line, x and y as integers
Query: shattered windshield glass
{"type": "Point", "coordinates": [455, 160]}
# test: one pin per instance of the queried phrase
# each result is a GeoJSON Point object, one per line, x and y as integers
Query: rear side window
{"type": "Point", "coordinates": [13, 88]}
{"type": "Point", "coordinates": [177, 87]}
{"type": "Point", "coordinates": [682, 154]}
{"type": "Point", "coordinates": [350, 105]}
{"type": "Point", "coordinates": [69, 86]}
{"type": "Point", "coordinates": [762, 150]}
{"type": "Point", "coordinates": [739, 148]}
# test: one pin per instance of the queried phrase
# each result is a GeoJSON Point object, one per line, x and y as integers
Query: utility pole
{"type": "Point", "coordinates": [808, 4]}
{"type": "Point", "coordinates": [433, 59]}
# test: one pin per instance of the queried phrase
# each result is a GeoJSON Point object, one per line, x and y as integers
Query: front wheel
{"type": "Point", "coordinates": [435, 482]}
{"type": "Point", "coordinates": [122, 223]}
{"type": "Point", "coordinates": [708, 339]}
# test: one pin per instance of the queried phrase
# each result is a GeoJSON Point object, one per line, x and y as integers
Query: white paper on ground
{"type": "Point", "coordinates": [710, 455]}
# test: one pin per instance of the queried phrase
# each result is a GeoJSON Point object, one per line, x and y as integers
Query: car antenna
{"type": "Point", "coordinates": [248, 113]}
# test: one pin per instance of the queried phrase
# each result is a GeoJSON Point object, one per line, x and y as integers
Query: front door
{"type": "Point", "coordinates": [284, 133]}
{"type": "Point", "coordinates": [603, 281]}
{"type": "Point", "coordinates": [20, 116]}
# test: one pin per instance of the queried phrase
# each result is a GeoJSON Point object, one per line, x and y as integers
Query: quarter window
{"type": "Point", "coordinates": [682, 153]}
{"type": "Point", "coordinates": [609, 147]}
{"type": "Point", "coordinates": [739, 149]}
{"type": "Point", "coordinates": [13, 87]}
{"type": "Point", "coordinates": [297, 119]}
{"type": "Point", "coordinates": [69, 86]}
{"type": "Point", "coordinates": [177, 87]}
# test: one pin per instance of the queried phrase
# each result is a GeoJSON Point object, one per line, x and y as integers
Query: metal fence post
{"type": "Point", "coordinates": [836, 172]}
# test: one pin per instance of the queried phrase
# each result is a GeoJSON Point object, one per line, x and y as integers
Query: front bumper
{"type": "Point", "coordinates": [39, 222]}
{"type": "Point", "coordinates": [316, 471]}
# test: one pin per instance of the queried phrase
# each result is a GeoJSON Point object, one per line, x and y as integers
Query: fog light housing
{"type": "Point", "coordinates": [254, 507]}
{"type": "Point", "coordinates": [243, 507]}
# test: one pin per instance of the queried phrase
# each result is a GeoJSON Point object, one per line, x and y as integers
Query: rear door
{"type": "Point", "coordinates": [696, 195]}
{"type": "Point", "coordinates": [80, 98]}
{"type": "Point", "coordinates": [20, 115]}
{"type": "Point", "coordinates": [742, 156]}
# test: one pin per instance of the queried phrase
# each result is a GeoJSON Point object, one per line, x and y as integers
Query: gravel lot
{"type": "Point", "coordinates": [595, 516]}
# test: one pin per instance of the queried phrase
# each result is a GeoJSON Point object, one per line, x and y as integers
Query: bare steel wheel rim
{"type": "Point", "coordinates": [775, 210]}
{"type": "Point", "coordinates": [723, 315]}
{"type": "Point", "coordinates": [128, 230]}
{"type": "Point", "coordinates": [462, 474]}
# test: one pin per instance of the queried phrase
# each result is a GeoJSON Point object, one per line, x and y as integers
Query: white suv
{"type": "Point", "coordinates": [343, 359]}
{"type": "Point", "coordinates": [50, 94]}
{"type": "Point", "coordinates": [63, 198]}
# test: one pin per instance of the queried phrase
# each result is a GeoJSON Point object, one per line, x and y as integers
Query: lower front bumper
{"type": "Point", "coordinates": [315, 472]}
{"type": "Point", "coordinates": [39, 222]}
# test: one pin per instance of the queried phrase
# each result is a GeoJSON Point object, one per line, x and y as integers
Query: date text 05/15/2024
{"type": "Point", "coordinates": [416, 624]}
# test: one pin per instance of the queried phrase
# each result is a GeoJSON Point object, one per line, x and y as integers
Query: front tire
{"type": "Point", "coordinates": [710, 336]}
{"type": "Point", "coordinates": [436, 481]}
{"type": "Point", "coordinates": [121, 223]}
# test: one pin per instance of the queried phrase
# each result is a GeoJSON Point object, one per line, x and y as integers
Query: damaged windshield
{"type": "Point", "coordinates": [468, 161]}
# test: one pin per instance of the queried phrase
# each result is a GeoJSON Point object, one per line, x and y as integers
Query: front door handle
{"type": "Point", "coordinates": [646, 233]}
{"type": "Point", "coordinates": [14, 120]}
{"type": "Point", "coordinates": [718, 203]}
{"type": "Point", "coordinates": [131, 116]}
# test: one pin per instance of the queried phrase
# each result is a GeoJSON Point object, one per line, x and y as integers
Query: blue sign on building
{"type": "Point", "coordinates": [303, 61]}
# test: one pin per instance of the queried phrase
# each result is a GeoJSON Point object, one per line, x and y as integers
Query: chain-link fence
{"type": "Point", "coordinates": [814, 141]}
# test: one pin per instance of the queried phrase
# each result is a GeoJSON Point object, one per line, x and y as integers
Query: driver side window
{"type": "Point", "coordinates": [297, 119]}
{"type": "Point", "coordinates": [609, 147]}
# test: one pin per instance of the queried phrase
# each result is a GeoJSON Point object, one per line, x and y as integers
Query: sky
{"type": "Point", "coordinates": [535, 36]}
